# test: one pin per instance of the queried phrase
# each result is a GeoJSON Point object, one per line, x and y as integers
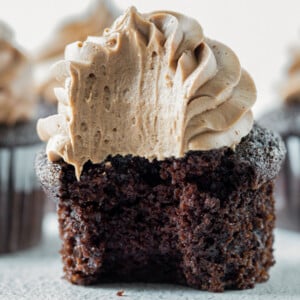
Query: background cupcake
{"type": "Point", "coordinates": [285, 119]}
{"type": "Point", "coordinates": [21, 200]}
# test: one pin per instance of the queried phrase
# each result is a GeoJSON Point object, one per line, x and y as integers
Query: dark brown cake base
{"type": "Point", "coordinates": [286, 121]}
{"type": "Point", "coordinates": [205, 220]}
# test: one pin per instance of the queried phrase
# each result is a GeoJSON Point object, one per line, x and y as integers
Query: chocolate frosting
{"type": "Point", "coordinates": [153, 86]}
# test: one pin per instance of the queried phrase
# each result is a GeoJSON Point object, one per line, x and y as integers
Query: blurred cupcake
{"type": "Point", "coordinates": [21, 200]}
{"type": "Point", "coordinates": [285, 119]}
{"type": "Point", "coordinates": [99, 15]}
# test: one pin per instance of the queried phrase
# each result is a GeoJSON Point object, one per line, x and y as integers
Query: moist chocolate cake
{"type": "Point", "coordinates": [157, 170]}
{"type": "Point", "coordinates": [204, 220]}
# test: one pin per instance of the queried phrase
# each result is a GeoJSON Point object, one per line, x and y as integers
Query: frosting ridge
{"type": "Point", "coordinates": [154, 86]}
{"type": "Point", "coordinates": [98, 16]}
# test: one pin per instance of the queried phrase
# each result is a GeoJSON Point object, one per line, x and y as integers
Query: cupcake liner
{"type": "Point", "coordinates": [21, 199]}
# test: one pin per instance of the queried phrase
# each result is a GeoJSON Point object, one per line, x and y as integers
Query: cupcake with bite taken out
{"type": "Point", "coordinates": [21, 199]}
{"type": "Point", "coordinates": [154, 160]}
{"type": "Point", "coordinates": [285, 119]}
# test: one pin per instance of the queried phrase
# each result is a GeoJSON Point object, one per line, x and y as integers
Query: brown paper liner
{"type": "Point", "coordinates": [21, 199]}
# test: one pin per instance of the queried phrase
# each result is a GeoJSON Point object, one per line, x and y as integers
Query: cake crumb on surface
{"type": "Point", "coordinates": [120, 293]}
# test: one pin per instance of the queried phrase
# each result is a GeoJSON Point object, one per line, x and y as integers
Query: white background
{"type": "Point", "coordinates": [259, 31]}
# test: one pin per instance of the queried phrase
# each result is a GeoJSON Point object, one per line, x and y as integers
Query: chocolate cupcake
{"type": "Point", "coordinates": [99, 15]}
{"type": "Point", "coordinates": [285, 119]}
{"type": "Point", "coordinates": [154, 162]}
{"type": "Point", "coordinates": [21, 199]}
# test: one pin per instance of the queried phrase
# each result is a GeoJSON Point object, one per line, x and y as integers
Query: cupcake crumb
{"type": "Point", "coordinates": [108, 165]}
{"type": "Point", "coordinates": [120, 293]}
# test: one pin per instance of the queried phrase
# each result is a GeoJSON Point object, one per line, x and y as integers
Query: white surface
{"type": "Point", "coordinates": [260, 32]}
{"type": "Point", "coordinates": [36, 274]}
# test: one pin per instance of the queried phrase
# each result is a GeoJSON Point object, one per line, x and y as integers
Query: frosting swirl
{"type": "Point", "coordinates": [291, 89]}
{"type": "Point", "coordinates": [98, 16]}
{"type": "Point", "coordinates": [17, 101]}
{"type": "Point", "coordinates": [151, 86]}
